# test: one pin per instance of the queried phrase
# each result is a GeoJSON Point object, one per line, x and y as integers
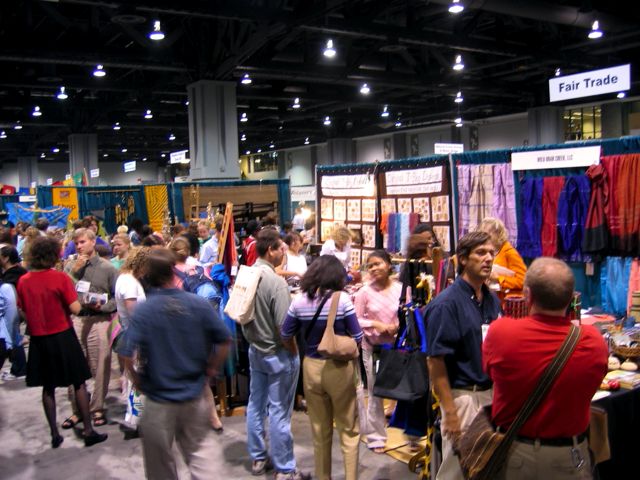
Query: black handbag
{"type": "Point", "coordinates": [402, 372]}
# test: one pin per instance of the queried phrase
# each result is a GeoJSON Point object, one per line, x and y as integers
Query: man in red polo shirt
{"type": "Point", "coordinates": [552, 443]}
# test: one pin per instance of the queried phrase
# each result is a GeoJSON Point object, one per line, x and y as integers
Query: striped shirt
{"type": "Point", "coordinates": [379, 305]}
{"type": "Point", "coordinates": [302, 311]}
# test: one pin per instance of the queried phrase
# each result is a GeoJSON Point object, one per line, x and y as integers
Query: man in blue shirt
{"type": "Point", "coordinates": [173, 333]}
{"type": "Point", "coordinates": [456, 323]}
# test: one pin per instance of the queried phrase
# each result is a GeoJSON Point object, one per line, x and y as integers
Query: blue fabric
{"type": "Point", "coordinates": [530, 220]}
{"type": "Point", "coordinates": [391, 228]}
{"type": "Point", "coordinates": [173, 332]}
{"type": "Point", "coordinates": [587, 285]}
{"type": "Point", "coordinates": [614, 284]}
{"type": "Point", "coordinates": [454, 330]}
{"type": "Point", "coordinates": [21, 212]}
{"type": "Point", "coordinates": [272, 389]}
{"type": "Point", "coordinates": [572, 215]}
{"type": "Point", "coordinates": [220, 277]}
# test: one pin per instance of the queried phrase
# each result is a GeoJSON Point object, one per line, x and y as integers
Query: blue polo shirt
{"type": "Point", "coordinates": [174, 333]}
{"type": "Point", "coordinates": [454, 330]}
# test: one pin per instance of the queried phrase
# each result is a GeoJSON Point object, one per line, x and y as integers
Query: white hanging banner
{"type": "Point", "coordinates": [49, 181]}
{"type": "Point", "coordinates": [559, 158]}
{"type": "Point", "coordinates": [588, 84]}
{"type": "Point", "coordinates": [129, 166]}
{"type": "Point", "coordinates": [303, 194]}
{"type": "Point", "coordinates": [407, 182]}
{"type": "Point", "coordinates": [94, 172]}
{"type": "Point", "coordinates": [447, 148]}
{"type": "Point", "coordinates": [348, 185]}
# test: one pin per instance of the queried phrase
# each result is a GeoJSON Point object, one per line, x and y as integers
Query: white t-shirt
{"type": "Point", "coordinates": [329, 248]}
{"type": "Point", "coordinates": [298, 221]}
{"type": "Point", "coordinates": [127, 288]}
{"type": "Point", "coordinates": [296, 263]}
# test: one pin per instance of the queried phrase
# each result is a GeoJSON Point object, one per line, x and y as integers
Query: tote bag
{"type": "Point", "coordinates": [242, 300]}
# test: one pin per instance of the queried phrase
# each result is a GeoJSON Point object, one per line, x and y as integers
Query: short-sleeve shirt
{"type": "Point", "coordinates": [454, 330]}
{"type": "Point", "coordinates": [127, 288]}
{"type": "Point", "coordinates": [373, 304]}
{"type": "Point", "coordinates": [301, 313]}
{"type": "Point", "coordinates": [45, 297]}
{"type": "Point", "coordinates": [174, 333]}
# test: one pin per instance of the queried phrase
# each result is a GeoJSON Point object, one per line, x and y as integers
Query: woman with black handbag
{"type": "Point", "coordinates": [329, 384]}
{"type": "Point", "coordinates": [376, 308]}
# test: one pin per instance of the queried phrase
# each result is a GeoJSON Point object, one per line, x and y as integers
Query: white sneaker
{"type": "Point", "coordinates": [296, 475]}
{"type": "Point", "coordinates": [10, 376]}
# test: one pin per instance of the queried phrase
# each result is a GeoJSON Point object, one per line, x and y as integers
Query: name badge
{"type": "Point", "coordinates": [485, 329]}
{"type": "Point", "coordinates": [82, 286]}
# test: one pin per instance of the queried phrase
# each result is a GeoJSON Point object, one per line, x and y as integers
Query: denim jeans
{"type": "Point", "coordinates": [272, 390]}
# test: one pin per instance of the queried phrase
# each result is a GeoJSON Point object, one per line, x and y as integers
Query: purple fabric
{"type": "Point", "coordinates": [504, 199]}
{"type": "Point", "coordinates": [572, 216]}
{"type": "Point", "coordinates": [391, 228]}
{"type": "Point", "coordinates": [464, 193]}
{"type": "Point", "coordinates": [530, 224]}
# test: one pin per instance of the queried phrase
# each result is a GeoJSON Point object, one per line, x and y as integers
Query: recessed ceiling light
{"type": "Point", "coordinates": [243, 138]}
{"type": "Point", "coordinates": [259, 150]}
{"type": "Point", "coordinates": [172, 137]}
{"type": "Point", "coordinates": [42, 155]}
{"type": "Point", "coordinates": [99, 71]}
{"type": "Point", "coordinates": [272, 145]}
{"type": "Point", "coordinates": [116, 126]}
{"type": "Point", "coordinates": [327, 121]}
{"type": "Point", "coordinates": [296, 103]}
{"type": "Point", "coordinates": [55, 150]}
{"type": "Point", "coordinates": [246, 79]}
{"type": "Point", "coordinates": [186, 103]}
{"type": "Point", "coordinates": [156, 34]}
{"type": "Point", "coordinates": [17, 126]}
{"type": "Point", "coordinates": [62, 95]}
{"type": "Point", "coordinates": [595, 30]}
{"type": "Point", "coordinates": [144, 159]}
{"type": "Point", "coordinates": [3, 134]}
{"type": "Point", "coordinates": [458, 121]}
{"type": "Point", "coordinates": [148, 115]}
{"type": "Point", "coordinates": [558, 72]}
{"type": "Point", "coordinates": [248, 152]}
{"type": "Point", "coordinates": [385, 112]}
{"type": "Point", "coordinates": [459, 98]}
{"type": "Point", "coordinates": [306, 141]}
{"type": "Point", "coordinates": [243, 117]}
{"type": "Point", "coordinates": [398, 123]}
{"type": "Point", "coordinates": [455, 6]}
{"type": "Point", "coordinates": [329, 51]}
{"type": "Point", "coordinates": [364, 89]}
{"type": "Point", "coordinates": [621, 95]}
{"type": "Point", "coordinates": [459, 65]}
{"type": "Point", "coordinates": [105, 155]}
{"type": "Point", "coordinates": [124, 150]}
{"type": "Point", "coordinates": [36, 111]}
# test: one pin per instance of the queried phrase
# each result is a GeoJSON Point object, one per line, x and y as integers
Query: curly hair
{"type": "Point", "coordinates": [136, 262]}
{"type": "Point", "coordinates": [43, 253]}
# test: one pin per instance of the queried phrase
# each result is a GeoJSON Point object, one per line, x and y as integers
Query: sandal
{"type": "Point", "coordinates": [99, 419]}
{"type": "Point", "coordinates": [71, 422]}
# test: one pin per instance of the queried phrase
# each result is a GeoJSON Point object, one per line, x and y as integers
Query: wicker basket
{"type": "Point", "coordinates": [627, 352]}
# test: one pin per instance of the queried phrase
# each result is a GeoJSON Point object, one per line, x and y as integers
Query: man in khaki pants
{"type": "Point", "coordinates": [92, 274]}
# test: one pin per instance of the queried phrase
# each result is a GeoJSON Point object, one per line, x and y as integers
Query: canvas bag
{"type": "Point", "coordinates": [482, 449]}
{"type": "Point", "coordinates": [336, 347]}
{"type": "Point", "coordinates": [242, 300]}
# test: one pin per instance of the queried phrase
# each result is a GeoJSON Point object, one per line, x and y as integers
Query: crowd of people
{"type": "Point", "coordinates": [84, 294]}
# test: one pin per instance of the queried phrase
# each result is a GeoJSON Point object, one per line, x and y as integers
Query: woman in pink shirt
{"type": "Point", "coordinates": [376, 306]}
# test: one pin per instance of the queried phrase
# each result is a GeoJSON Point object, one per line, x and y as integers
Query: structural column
{"type": "Point", "coordinates": [83, 155]}
{"type": "Point", "coordinates": [399, 142]}
{"type": "Point", "coordinates": [546, 125]}
{"type": "Point", "coordinates": [213, 130]}
{"type": "Point", "coordinates": [613, 119]}
{"type": "Point", "coordinates": [340, 150]}
{"type": "Point", "coordinates": [27, 171]}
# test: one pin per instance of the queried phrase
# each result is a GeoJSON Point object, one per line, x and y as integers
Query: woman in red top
{"type": "Point", "coordinates": [47, 298]}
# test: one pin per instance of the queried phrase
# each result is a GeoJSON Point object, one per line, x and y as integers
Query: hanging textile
{"type": "Point", "coordinates": [480, 195]}
{"type": "Point", "coordinates": [157, 200]}
{"type": "Point", "coordinates": [614, 284]}
{"type": "Point", "coordinates": [572, 213]}
{"type": "Point", "coordinates": [623, 208]}
{"type": "Point", "coordinates": [57, 216]}
{"type": "Point", "coordinates": [68, 198]}
{"type": "Point", "coordinates": [634, 283]}
{"type": "Point", "coordinates": [530, 221]}
{"type": "Point", "coordinates": [551, 188]}
{"type": "Point", "coordinates": [115, 206]}
{"type": "Point", "coordinates": [596, 234]}
{"type": "Point", "coordinates": [504, 199]}
{"type": "Point", "coordinates": [465, 173]}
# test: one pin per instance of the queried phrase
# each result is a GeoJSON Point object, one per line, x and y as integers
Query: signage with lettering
{"type": "Point", "coordinates": [94, 172]}
{"type": "Point", "coordinates": [360, 185]}
{"type": "Point", "coordinates": [559, 158]}
{"type": "Point", "coordinates": [27, 198]}
{"type": "Point", "coordinates": [179, 157]}
{"type": "Point", "coordinates": [129, 166]}
{"type": "Point", "coordinates": [407, 182]}
{"type": "Point", "coordinates": [588, 84]}
{"type": "Point", "coordinates": [447, 148]}
{"type": "Point", "coordinates": [49, 181]}
{"type": "Point", "coordinates": [303, 194]}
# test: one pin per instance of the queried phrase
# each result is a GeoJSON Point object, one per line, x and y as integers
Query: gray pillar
{"type": "Point", "coordinates": [83, 154]}
{"type": "Point", "coordinates": [340, 150]}
{"type": "Point", "coordinates": [613, 120]}
{"type": "Point", "coordinates": [399, 143]}
{"type": "Point", "coordinates": [27, 171]}
{"type": "Point", "coordinates": [546, 125]}
{"type": "Point", "coordinates": [213, 130]}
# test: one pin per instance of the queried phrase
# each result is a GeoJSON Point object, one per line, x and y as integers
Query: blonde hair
{"type": "Point", "coordinates": [181, 247]}
{"type": "Point", "coordinates": [122, 229]}
{"type": "Point", "coordinates": [341, 235]}
{"type": "Point", "coordinates": [123, 237]}
{"type": "Point", "coordinates": [495, 228]}
{"type": "Point", "coordinates": [136, 261]}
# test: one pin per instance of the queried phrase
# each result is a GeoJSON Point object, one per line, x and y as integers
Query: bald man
{"type": "Point", "coordinates": [553, 441]}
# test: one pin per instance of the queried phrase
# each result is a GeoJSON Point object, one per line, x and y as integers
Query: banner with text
{"type": "Point", "coordinates": [588, 84]}
{"type": "Point", "coordinates": [66, 197]}
{"type": "Point", "coordinates": [559, 158]}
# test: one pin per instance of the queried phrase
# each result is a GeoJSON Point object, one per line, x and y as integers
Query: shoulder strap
{"type": "Point", "coordinates": [544, 384]}
{"type": "Point", "coordinates": [315, 317]}
{"type": "Point", "coordinates": [333, 311]}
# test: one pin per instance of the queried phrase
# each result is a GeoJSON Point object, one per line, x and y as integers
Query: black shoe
{"type": "Point", "coordinates": [93, 438]}
{"type": "Point", "coordinates": [57, 441]}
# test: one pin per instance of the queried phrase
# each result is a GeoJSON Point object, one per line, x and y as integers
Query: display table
{"type": "Point", "coordinates": [623, 411]}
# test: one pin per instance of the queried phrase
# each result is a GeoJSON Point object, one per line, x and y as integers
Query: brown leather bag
{"type": "Point", "coordinates": [483, 450]}
{"type": "Point", "coordinates": [336, 347]}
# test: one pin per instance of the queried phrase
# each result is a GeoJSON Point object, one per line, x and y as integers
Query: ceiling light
{"type": "Point", "coordinates": [17, 126]}
{"type": "Point", "coordinates": [172, 137]}
{"type": "Point", "coordinates": [248, 152]}
{"type": "Point", "coordinates": [385, 112]}
{"type": "Point", "coordinates": [459, 98]}
{"type": "Point", "coordinates": [156, 34]}
{"type": "Point", "coordinates": [42, 155]}
{"type": "Point", "coordinates": [116, 126]}
{"type": "Point", "coordinates": [306, 141]}
{"type": "Point", "coordinates": [144, 159]}
{"type": "Point", "coordinates": [458, 121]}
{"type": "Point", "coordinates": [296, 103]}
{"type": "Point", "coordinates": [105, 155]}
{"type": "Point", "coordinates": [398, 123]}
{"type": "Point", "coordinates": [243, 117]}
{"type": "Point", "coordinates": [124, 150]}
{"type": "Point", "coordinates": [272, 145]}
{"type": "Point", "coordinates": [327, 121]}
{"type": "Point", "coordinates": [99, 71]}
{"type": "Point", "coordinates": [455, 6]}
{"type": "Point", "coordinates": [458, 65]}
{"type": "Point", "coordinates": [621, 95]}
{"type": "Point", "coordinates": [186, 103]}
{"type": "Point", "coordinates": [595, 31]}
{"type": "Point", "coordinates": [163, 155]}
{"type": "Point", "coordinates": [62, 94]}
{"type": "Point", "coordinates": [281, 127]}
{"type": "Point", "coordinates": [55, 150]}
{"type": "Point", "coordinates": [246, 79]}
{"type": "Point", "coordinates": [148, 115]}
{"type": "Point", "coordinates": [36, 111]}
{"type": "Point", "coordinates": [329, 51]}
{"type": "Point", "coordinates": [243, 137]}
{"type": "Point", "coordinates": [558, 72]}
{"type": "Point", "coordinates": [3, 134]}
{"type": "Point", "coordinates": [364, 89]}
{"type": "Point", "coordinates": [259, 150]}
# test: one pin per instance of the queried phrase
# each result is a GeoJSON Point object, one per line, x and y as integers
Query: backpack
{"type": "Point", "coordinates": [200, 284]}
